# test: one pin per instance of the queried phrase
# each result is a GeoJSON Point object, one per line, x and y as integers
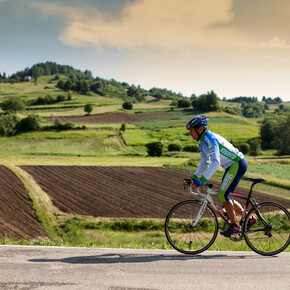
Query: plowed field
{"type": "Point", "coordinates": [114, 118]}
{"type": "Point", "coordinates": [17, 218]}
{"type": "Point", "coordinates": [116, 191]}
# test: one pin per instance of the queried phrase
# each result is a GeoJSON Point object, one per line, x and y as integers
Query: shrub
{"type": "Point", "coordinates": [88, 108]}
{"type": "Point", "coordinates": [183, 103]}
{"type": "Point", "coordinates": [127, 105]}
{"type": "Point", "coordinates": [174, 147]}
{"type": "Point", "coordinates": [154, 148]}
{"type": "Point", "coordinates": [9, 125]}
{"type": "Point", "coordinates": [245, 148]}
{"type": "Point", "coordinates": [123, 127]}
{"type": "Point", "coordinates": [68, 126]}
{"type": "Point", "coordinates": [30, 123]}
{"type": "Point", "coordinates": [191, 148]}
{"type": "Point", "coordinates": [230, 111]}
{"type": "Point", "coordinates": [60, 98]}
{"type": "Point", "coordinates": [13, 104]}
{"type": "Point", "coordinates": [255, 147]}
{"type": "Point", "coordinates": [63, 126]}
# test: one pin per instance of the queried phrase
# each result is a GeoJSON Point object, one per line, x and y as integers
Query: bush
{"type": "Point", "coordinates": [30, 123]}
{"type": "Point", "coordinates": [245, 148]}
{"type": "Point", "coordinates": [13, 104]}
{"type": "Point", "coordinates": [174, 147]}
{"type": "Point", "coordinates": [191, 148]}
{"type": "Point", "coordinates": [60, 98]}
{"type": "Point", "coordinates": [183, 103]}
{"type": "Point", "coordinates": [127, 105]}
{"type": "Point", "coordinates": [255, 147]}
{"type": "Point", "coordinates": [9, 125]}
{"type": "Point", "coordinates": [154, 148]}
{"type": "Point", "coordinates": [63, 126]}
{"type": "Point", "coordinates": [88, 108]}
{"type": "Point", "coordinates": [123, 127]}
{"type": "Point", "coordinates": [230, 111]}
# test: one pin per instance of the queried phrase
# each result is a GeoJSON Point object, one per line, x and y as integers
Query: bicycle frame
{"type": "Point", "coordinates": [207, 198]}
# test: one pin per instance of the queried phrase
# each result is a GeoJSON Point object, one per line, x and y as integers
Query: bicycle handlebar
{"type": "Point", "coordinates": [196, 190]}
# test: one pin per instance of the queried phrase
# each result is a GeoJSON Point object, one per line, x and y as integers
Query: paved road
{"type": "Point", "coordinates": [27, 267]}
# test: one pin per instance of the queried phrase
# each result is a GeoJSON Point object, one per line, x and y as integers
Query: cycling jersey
{"type": "Point", "coordinates": [215, 151]}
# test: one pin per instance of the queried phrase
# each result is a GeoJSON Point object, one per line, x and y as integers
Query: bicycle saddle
{"type": "Point", "coordinates": [256, 180]}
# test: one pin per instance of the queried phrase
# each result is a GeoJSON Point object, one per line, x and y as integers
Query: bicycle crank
{"type": "Point", "coordinates": [236, 237]}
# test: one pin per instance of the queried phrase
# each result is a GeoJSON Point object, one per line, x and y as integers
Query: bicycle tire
{"type": "Point", "coordinates": [272, 241]}
{"type": "Point", "coordinates": [185, 239]}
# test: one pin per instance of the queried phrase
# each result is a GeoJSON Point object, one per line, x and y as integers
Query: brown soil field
{"type": "Point", "coordinates": [114, 118]}
{"type": "Point", "coordinates": [108, 192]}
{"type": "Point", "coordinates": [17, 218]}
{"type": "Point", "coordinates": [117, 192]}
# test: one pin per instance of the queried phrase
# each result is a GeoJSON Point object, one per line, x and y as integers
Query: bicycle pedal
{"type": "Point", "coordinates": [236, 235]}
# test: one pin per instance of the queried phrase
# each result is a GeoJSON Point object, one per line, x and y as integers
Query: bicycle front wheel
{"type": "Point", "coordinates": [180, 233]}
{"type": "Point", "coordinates": [270, 235]}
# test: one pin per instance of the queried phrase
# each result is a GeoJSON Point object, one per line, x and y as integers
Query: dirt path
{"type": "Point", "coordinates": [114, 118]}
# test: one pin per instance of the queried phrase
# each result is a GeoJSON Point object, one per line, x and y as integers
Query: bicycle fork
{"type": "Point", "coordinates": [200, 212]}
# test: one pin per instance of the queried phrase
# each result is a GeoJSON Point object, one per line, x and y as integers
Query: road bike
{"type": "Point", "coordinates": [191, 226]}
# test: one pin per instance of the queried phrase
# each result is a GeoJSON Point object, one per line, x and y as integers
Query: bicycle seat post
{"type": "Point", "coordinates": [254, 181]}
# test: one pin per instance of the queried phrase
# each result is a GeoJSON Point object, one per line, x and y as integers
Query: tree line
{"type": "Point", "coordinates": [84, 83]}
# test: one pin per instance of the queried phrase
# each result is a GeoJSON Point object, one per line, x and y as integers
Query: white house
{"type": "Point", "coordinates": [27, 78]}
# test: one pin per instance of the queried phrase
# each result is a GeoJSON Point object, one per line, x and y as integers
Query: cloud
{"type": "Point", "coordinates": [274, 42]}
{"type": "Point", "coordinates": [169, 24]}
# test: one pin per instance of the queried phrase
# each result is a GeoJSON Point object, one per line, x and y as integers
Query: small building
{"type": "Point", "coordinates": [27, 78]}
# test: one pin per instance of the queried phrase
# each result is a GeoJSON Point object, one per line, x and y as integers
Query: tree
{"type": "Point", "coordinates": [245, 148]}
{"type": "Point", "coordinates": [206, 103]}
{"type": "Point", "coordinates": [174, 147]}
{"type": "Point", "coordinates": [88, 108]}
{"type": "Point", "coordinates": [255, 147]}
{"type": "Point", "coordinates": [282, 136]}
{"type": "Point", "coordinates": [136, 94]}
{"type": "Point", "coordinates": [83, 87]}
{"type": "Point", "coordinates": [36, 72]}
{"type": "Point", "coordinates": [268, 131]}
{"type": "Point", "coordinates": [30, 123]}
{"type": "Point", "coordinates": [127, 105]}
{"type": "Point", "coordinates": [253, 110]}
{"type": "Point", "coordinates": [9, 125]}
{"type": "Point", "coordinates": [154, 148]}
{"type": "Point", "coordinates": [14, 104]}
{"type": "Point", "coordinates": [123, 127]}
{"type": "Point", "coordinates": [183, 103]}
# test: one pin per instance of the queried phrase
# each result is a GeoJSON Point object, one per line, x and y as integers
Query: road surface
{"type": "Point", "coordinates": [30, 267]}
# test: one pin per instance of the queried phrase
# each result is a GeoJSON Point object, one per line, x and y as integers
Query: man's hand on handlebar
{"type": "Point", "coordinates": [187, 182]}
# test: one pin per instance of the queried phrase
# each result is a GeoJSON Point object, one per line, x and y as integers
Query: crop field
{"type": "Point", "coordinates": [93, 192]}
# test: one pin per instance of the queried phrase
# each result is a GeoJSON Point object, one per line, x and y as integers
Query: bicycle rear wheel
{"type": "Point", "coordinates": [268, 239]}
{"type": "Point", "coordinates": [179, 233]}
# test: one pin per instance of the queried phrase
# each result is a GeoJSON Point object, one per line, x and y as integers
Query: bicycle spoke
{"type": "Point", "coordinates": [179, 232]}
{"type": "Point", "coordinates": [273, 239]}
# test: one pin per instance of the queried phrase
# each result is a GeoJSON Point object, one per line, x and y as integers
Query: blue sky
{"type": "Point", "coordinates": [234, 47]}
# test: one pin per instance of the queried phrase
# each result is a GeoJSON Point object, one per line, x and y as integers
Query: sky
{"type": "Point", "coordinates": [234, 47]}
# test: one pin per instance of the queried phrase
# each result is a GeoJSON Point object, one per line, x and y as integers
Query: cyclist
{"type": "Point", "coordinates": [216, 151]}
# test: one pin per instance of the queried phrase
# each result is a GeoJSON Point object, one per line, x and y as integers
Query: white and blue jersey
{"type": "Point", "coordinates": [215, 151]}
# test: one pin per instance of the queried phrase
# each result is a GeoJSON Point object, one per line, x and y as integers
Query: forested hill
{"type": "Point", "coordinates": [84, 82]}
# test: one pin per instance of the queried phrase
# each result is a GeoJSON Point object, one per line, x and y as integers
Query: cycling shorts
{"type": "Point", "coordinates": [231, 179]}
